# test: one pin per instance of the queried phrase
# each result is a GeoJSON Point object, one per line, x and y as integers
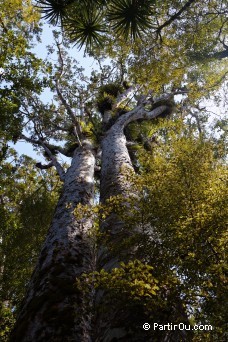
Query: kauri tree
{"type": "Point", "coordinates": [99, 275]}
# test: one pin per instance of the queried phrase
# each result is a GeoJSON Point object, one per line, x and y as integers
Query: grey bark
{"type": "Point", "coordinates": [116, 162]}
{"type": "Point", "coordinates": [54, 309]}
{"type": "Point", "coordinates": [116, 173]}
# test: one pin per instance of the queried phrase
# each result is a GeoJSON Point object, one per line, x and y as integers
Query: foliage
{"type": "Point", "coordinates": [183, 215]}
{"type": "Point", "coordinates": [149, 60]}
{"type": "Point", "coordinates": [137, 19]}
{"type": "Point", "coordinates": [130, 17]}
{"type": "Point", "coordinates": [107, 95]}
{"type": "Point", "coordinates": [159, 31]}
{"type": "Point", "coordinates": [27, 202]}
{"type": "Point", "coordinates": [7, 321]}
{"type": "Point", "coordinates": [180, 213]}
{"type": "Point", "coordinates": [133, 280]}
{"type": "Point", "coordinates": [86, 29]}
{"type": "Point", "coordinates": [53, 10]}
{"type": "Point", "coordinates": [87, 21]}
{"type": "Point", "coordinates": [18, 66]}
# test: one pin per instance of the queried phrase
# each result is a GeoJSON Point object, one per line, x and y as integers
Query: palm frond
{"type": "Point", "coordinates": [130, 16]}
{"type": "Point", "coordinates": [85, 29]}
{"type": "Point", "coordinates": [53, 10]}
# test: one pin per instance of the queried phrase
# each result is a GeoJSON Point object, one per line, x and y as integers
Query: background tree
{"type": "Point", "coordinates": [28, 198]}
{"type": "Point", "coordinates": [189, 242]}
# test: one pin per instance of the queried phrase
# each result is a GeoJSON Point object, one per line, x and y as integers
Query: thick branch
{"type": "Point", "coordinates": [3, 25]}
{"type": "Point", "coordinates": [139, 112]}
{"type": "Point", "coordinates": [44, 167]}
{"type": "Point", "coordinates": [220, 54]}
{"type": "Point", "coordinates": [50, 146]}
{"type": "Point", "coordinates": [54, 161]}
{"type": "Point", "coordinates": [175, 16]}
{"type": "Point", "coordinates": [123, 97]}
{"type": "Point", "coordinates": [197, 122]}
{"type": "Point", "coordinates": [215, 55]}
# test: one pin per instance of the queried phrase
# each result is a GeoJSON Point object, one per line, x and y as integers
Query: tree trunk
{"type": "Point", "coordinates": [116, 173]}
{"type": "Point", "coordinates": [115, 180]}
{"type": "Point", "coordinates": [54, 309]}
{"type": "Point", "coordinates": [117, 170]}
